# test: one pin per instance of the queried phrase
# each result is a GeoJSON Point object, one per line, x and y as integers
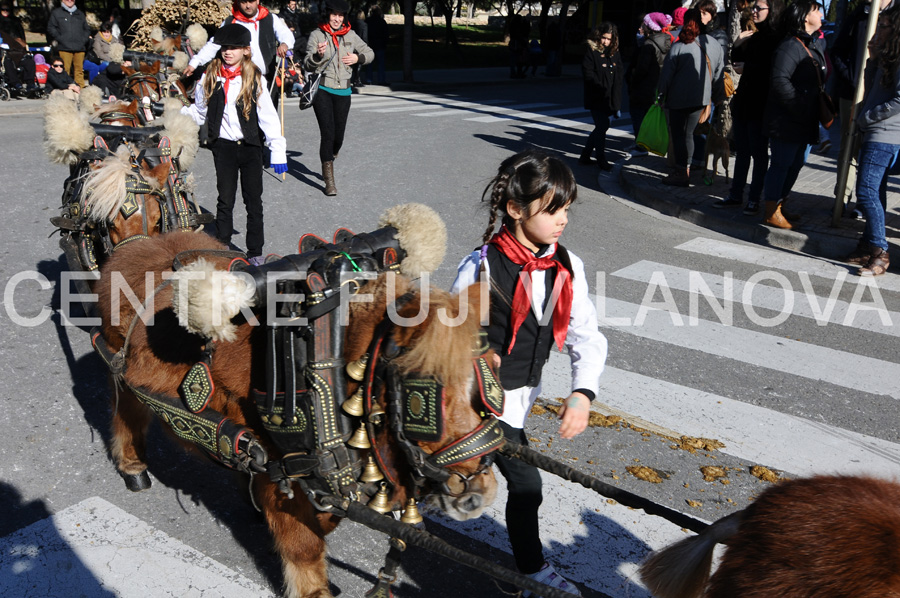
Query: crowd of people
{"type": "Point", "coordinates": [764, 68]}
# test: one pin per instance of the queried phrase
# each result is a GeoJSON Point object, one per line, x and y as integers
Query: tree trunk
{"type": "Point", "coordinates": [408, 19]}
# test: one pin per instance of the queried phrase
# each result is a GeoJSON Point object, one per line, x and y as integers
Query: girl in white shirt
{"type": "Point", "coordinates": [230, 100]}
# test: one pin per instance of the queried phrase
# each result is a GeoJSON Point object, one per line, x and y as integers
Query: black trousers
{"type": "Point", "coordinates": [331, 113]}
{"type": "Point", "coordinates": [525, 497]}
{"type": "Point", "coordinates": [232, 158]}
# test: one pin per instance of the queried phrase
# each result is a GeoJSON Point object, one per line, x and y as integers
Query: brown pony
{"type": "Point", "coordinates": [149, 80]}
{"type": "Point", "coordinates": [822, 537]}
{"type": "Point", "coordinates": [160, 355]}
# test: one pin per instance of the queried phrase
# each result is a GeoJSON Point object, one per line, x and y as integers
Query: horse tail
{"type": "Point", "coordinates": [104, 188]}
{"type": "Point", "coordinates": [682, 569]}
{"type": "Point", "coordinates": [205, 299]}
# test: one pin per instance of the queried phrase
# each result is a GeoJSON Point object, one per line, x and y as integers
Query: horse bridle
{"type": "Point", "coordinates": [144, 81]}
{"type": "Point", "coordinates": [404, 394]}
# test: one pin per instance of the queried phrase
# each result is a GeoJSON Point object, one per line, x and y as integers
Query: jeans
{"type": "Point", "coordinates": [682, 122]}
{"type": "Point", "coordinates": [331, 113]}
{"type": "Point", "coordinates": [788, 158]}
{"type": "Point", "coordinates": [597, 139]}
{"type": "Point", "coordinates": [525, 496]}
{"type": "Point", "coordinates": [232, 158]}
{"type": "Point", "coordinates": [875, 162]}
{"type": "Point", "coordinates": [750, 142]}
{"type": "Point", "coordinates": [94, 69]}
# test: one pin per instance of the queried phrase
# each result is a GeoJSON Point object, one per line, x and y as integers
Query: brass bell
{"type": "Point", "coordinates": [360, 438]}
{"type": "Point", "coordinates": [411, 513]}
{"type": "Point", "coordinates": [381, 503]}
{"type": "Point", "coordinates": [376, 414]}
{"type": "Point", "coordinates": [371, 472]}
{"type": "Point", "coordinates": [354, 405]}
{"type": "Point", "coordinates": [357, 369]}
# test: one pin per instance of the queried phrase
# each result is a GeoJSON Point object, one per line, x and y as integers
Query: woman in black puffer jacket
{"type": "Point", "coordinates": [792, 111]}
{"type": "Point", "coordinates": [603, 73]}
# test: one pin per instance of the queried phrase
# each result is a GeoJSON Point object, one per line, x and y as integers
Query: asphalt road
{"type": "Point", "coordinates": [778, 375]}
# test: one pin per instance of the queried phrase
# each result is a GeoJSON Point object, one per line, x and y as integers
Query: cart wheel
{"type": "Point", "coordinates": [4, 94]}
{"type": "Point", "coordinates": [708, 181]}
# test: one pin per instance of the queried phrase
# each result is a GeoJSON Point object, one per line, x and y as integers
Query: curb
{"type": "Point", "coordinates": [21, 107]}
{"type": "Point", "coordinates": [813, 243]}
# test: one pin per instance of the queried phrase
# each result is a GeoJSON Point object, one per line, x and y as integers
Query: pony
{"type": "Point", "coordinates": [821, 536]}
{"type": "Point", "coordinates": [157, 358]}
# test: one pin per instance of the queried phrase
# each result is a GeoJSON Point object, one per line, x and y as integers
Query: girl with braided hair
{"type": "Point", "coordinates": [879, 123]}
{"type": "Point", "coordinates": [531, 195]}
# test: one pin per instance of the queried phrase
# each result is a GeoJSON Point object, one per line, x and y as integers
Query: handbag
{"type": "Point", "coordinates": [311, 84]}
{"type": "Point", "coordinates": [826, 110]}
{"type": "Point", "coordinates": [653, 135]}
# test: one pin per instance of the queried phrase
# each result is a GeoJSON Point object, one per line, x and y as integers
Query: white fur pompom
{"type": "Point", "coordinates": [197, 36]}
{"type": "Point", "coordinates": [67, 131]}
{"type": "Point", "coordinates": [179, 61]}
{"type": "Point", "coordinates": [205, 299]}
{"type": "Point", "coordinates": [422, 235]}
{"type": "Point", "coordinates": [116, 52]}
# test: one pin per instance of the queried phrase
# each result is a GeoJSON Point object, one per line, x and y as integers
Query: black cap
{"type": "Point", "coordinates": [232, 35]}
{"type": "Point", "coordinates": [336, 6]}
{"type": "Point", "coordinates": [114, 70]}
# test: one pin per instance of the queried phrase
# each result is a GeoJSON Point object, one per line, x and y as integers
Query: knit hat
{"type": "Point", "coordinates": [232, 34]}
{"type": "Point", "coordinates": [657, 21]}
{"type": "Point", "coordinates": [678, 16]}
{"type": "Point", "coordinates": [39, 59]}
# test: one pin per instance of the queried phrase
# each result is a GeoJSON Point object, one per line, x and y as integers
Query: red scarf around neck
{"type": "Point", "coordinates": [520, 255]}
{"type": "Point", "coordinates": [344, 30]}
{"type": "Point", "coordinates": [228, 74]}
{"type": "Point", "coordinates": [239, 16]}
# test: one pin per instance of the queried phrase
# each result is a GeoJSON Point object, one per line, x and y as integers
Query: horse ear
{"type": "Point", "coordinates": [478, 295]}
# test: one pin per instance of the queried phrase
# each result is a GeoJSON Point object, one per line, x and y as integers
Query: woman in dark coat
{"type": "Point", "coordinates": [791, 116]}
{"type": "Point", "coordinates": [643, 74]}
{"type": "Point", "coordinates": [603, 73]}
{"type": "Point", "coordinates": [755, 51]}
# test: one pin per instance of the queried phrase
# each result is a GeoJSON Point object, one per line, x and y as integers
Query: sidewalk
{"type": "Point", "coordinates": [812, 197]}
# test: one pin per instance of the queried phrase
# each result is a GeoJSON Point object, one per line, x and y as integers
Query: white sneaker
{"type": "Point", "coordinates": [548, 575]}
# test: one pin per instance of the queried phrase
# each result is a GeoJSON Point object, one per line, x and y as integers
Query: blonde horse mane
{"type": "Point", "coordinates": [104, 188]}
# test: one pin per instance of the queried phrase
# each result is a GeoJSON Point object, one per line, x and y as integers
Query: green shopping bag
{"type": "Point", "coordinates": [653, 135]}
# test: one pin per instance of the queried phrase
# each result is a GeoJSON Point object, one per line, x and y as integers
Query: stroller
{"type": "Point", "coordinates": [7, 92]}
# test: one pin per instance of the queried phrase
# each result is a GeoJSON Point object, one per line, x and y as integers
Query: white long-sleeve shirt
{"type": "Point", "coordinates": [282, 34]}
{"type": "Point", "coordinates": [269, 122]}
{"type": "Point", "coordinates": [586, 345]}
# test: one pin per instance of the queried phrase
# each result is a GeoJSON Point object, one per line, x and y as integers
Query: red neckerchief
{"type": "Point", "coordinates": [344, 30]}
{"type": "Point", "coordinates": [228, 75]}
{"type": "Point", "coordinates": [521, 305]}
{"type": "Point", "coordinates": [261, 14]}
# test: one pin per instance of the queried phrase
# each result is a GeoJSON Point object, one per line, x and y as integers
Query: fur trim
{"type": "Point", "coordinates": [422, 235]}
{"type": "Point", "coordinates": [206, 304]}
{"type": "Point", "coordinates": [190, 183]}
{"type": "Point", "coordinates": [157, 35]}
{"type": "Point", "coordinates": [182, 131]}
{"type": "Point", "coordinates": [197, 36]}
{"type": "Point", "coordinates": [116, 52]}
{"type": "Point", "coordinates": [90, 99]}
{"type": "Point", "coordinates": [179, 61]}
{"type": "Point", "coordinates": [104, 188]}
{"type": "Point", "coordinates": [67, 131]}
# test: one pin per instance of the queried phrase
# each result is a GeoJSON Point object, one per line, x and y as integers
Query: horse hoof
{"type": "Point", "coordinates": [138, 482]}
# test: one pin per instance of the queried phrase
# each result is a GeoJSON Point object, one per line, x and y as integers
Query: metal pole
{"type": "Point", "coordinates": [847, 144]}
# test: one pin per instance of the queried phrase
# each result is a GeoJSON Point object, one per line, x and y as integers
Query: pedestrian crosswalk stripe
{"type": "Point", "coordinates": [781, 260]}
{"type": "Point", "coordinates": [94, 548]}
{"type": "Point", "coordinates": [785, 355]}
{"type": "Point", "coordinates": [759, 435]}
{"type": "Point", "coordinates": [434, 103]}
{"type": "Point", "coordinates": [824, 310]}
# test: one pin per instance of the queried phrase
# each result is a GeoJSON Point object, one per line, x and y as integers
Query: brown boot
{"type": "Point", "coordinates": [328, 176]}
{"type": "Point", "coordinates": [861, 254]}
{"type": "Point", "coordinates": [680, 177]}
{"type": "Point", "coordinates": [790, 216]}
{"type": "Point", "coordinates": [774, 217]}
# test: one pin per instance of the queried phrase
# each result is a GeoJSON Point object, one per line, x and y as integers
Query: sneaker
{"type": "Point", "coordinates": [752, 208]}
{"type": "Point", "coordinates": [824, 147]}
{"type": "Point", "coordinates": [548, 575]}
{"type": "Point", "coordinates": [728, 203]}
{"type": "Point", "coordinates": [257, 260]}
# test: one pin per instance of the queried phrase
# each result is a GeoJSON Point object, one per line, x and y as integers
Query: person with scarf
{"type": "Point", "coordinates": [333, 49]}
{"type": "Point", "coordinates": [270, 38]}
{"type": "Point", "coordinates": [102, 51]}
{"type": "Point", "coordinates": [230, 100]}
{"type": "Point", "coordinates": [532, 192]}
{"type": "Point", "coordinates": [68, 29]}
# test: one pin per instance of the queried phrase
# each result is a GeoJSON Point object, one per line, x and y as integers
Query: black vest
{"type": "Point", "coordinates": [523, 366]}
{"type": "Point", "coordinates": [215, 110]}
{"type": "Point", "coordinates": [267, 41]}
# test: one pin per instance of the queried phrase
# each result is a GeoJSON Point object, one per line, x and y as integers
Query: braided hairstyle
{"type": "Point", "coordinates": [888, 54]}
{"type": "Point", "coordinates": [534, 181]}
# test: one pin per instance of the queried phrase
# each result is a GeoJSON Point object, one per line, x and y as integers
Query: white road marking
{"type": "Point", "coordinates": [782, 260]}
{"type": "Point", "coordinates": [779, 299]}
{"type": "Point", "coordinates": [96, 549]}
